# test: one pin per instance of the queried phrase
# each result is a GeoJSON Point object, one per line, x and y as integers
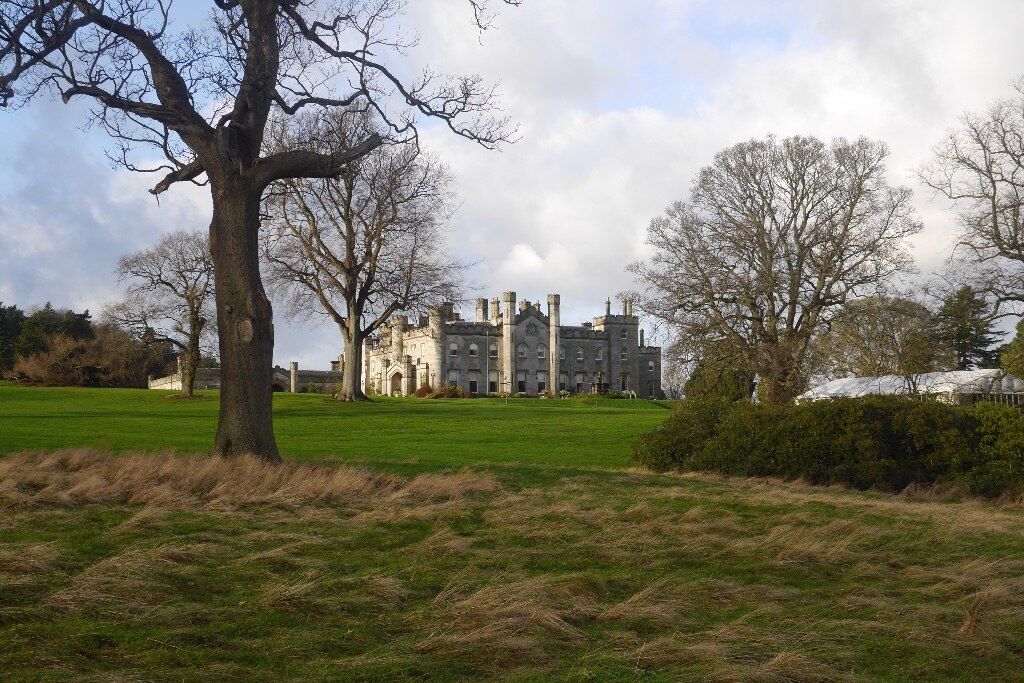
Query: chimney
{"type": "Point", "coordinates": [481, 310]}
{"type": "Point", "coordinates": [495, 308]}
{"type": "Point", "coordinates": [625, 307]}
{"type": "Point", "coordinates": [608, 306]}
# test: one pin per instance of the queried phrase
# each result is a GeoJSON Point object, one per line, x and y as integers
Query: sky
{"type": "Point", "coordinates": [618, 105]}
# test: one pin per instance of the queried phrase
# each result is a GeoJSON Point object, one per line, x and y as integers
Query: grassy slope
{"type": "Point", "coordinates": [582, 574]}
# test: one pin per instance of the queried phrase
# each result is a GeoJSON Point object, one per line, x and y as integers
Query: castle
{"type": "Point", "coordinates": [510, 349]}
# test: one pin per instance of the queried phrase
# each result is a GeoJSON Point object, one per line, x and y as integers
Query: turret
{"type": "Point", "coordinates": [435, 321]}
{"type": "Point", "coordinates": [554, 341]}
{"type": "Point", "coordinates": [508, 347]}
{"type": "Point", "coordinates": [397, 330]}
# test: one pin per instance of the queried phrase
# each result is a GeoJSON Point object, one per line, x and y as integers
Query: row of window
{"type": "Point", "coordinates": [580, 383]}
{"type": "Point", "coordinates": [522, 351]}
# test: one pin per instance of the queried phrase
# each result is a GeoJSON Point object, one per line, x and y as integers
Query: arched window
{"type": "Point", "coordinates": [579, 353]}
{"type": "Point", "coordinates": [473, 350]}
{"type": "Point", "coordinates": [599, 354]}
{"type": "Point", "coordinates": [453, 349]}
{"type": "Point", "coordinates": [650, 366]}
{"type": "Point", "coordinates": [561, 353]}
{"type": "Point", "coordinates": [542, 352]}
{"type": "Point", "coordinates": [493, 351]}
{"type": "Point", "coordinates": [521, 352]}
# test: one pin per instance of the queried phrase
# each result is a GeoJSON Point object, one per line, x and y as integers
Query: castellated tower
{"type": "Point", "coordinates": [508, 347]}
{"type": "Point", "coordinates": [554, 341]}
{"type": "Point", "coordinates": [435, 321]}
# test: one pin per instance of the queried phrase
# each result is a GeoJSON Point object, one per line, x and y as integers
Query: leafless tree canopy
{"type": "Point", "coordinates": [980, 166]}
{"type": "Point", "coordinates": [884, 335]}
{"type": "Point", "coordinates": [169, 297]}
{"type": "Point", "coordinates": [180, 90]}
{"type": "Point", "coordinates": [776, 236]}
{"type": "Point", "coordinates": [366, 245]}
{"type": "Point", "coordinates": [201, 96]}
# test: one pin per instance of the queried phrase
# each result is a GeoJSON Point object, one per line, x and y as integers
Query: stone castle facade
{"type": "Point", "coordinates": [513, 349]}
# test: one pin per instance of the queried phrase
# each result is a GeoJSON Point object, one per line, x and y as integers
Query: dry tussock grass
{"type": "Point", "coordinates": [677, 649]}
{"type": "Point", "coordinates": [509, 620]}
{"type": "Point", "coordinates": [128, 582]}
{"type": "Point", "coordinates": [78, 476]}
{"type": "Point", "coordinates": [660, 601]}
{"type": "Point", "coordinates": [814, 544]}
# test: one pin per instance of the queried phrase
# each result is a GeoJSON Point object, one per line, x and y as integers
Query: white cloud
{"type": "Point", "coordinates": [619, 104]}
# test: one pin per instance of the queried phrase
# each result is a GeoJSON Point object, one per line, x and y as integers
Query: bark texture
{"type": "Point", "coordinates": [245, 320]}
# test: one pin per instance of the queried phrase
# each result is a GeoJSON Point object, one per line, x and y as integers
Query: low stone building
{"type": "Point", "coordinates": [292, 379]}
{"type": "Point", "coordinates": [512, 348]}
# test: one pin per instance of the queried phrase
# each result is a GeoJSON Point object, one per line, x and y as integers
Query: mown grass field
{"type": "Point", "coordinates": [394, 434]}
{"type": "Point", "coordinates": [406, 554]}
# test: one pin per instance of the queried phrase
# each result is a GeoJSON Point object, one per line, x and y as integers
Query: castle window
{"type": "Point", "coordinates": [492, 381]}
{"type": "Point", "coordinates": [521, 352]}
{"type": "Point", "coordinates": [579, 353]}
{"type": "Point", "coordinates": [622, 335]}
{"type": "Point", "coordinates": [473, 386]}
{"type": "Point", "coordinates": [521, 382]}
{"type": "Point", "coordinates": [473, 350]}
{"type": "Point", "coordinates": [625, 382]}
{"type": "Point", "coordinates": [453, 349]}
{"type": "Point", "coordinates": [623, 354]}
{"type": "Point", "coordinates": [542, 381]}
{"type": "Point", "coordinates": [599, 354]}
{"type": "Point", "coordinates": [493, 351]}
{"type": "Point", "coordinates": [650, 366]}
{"type": "Point", "coordinates": [563, 380]}
{"type": "Point", "coordinates": [561, 353]}
{"type": "Point", "coordinates": [453, 377]}
{"type": "Point", "coordinates": [542, 352]}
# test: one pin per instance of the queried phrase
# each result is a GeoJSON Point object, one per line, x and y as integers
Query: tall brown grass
{"type": "Point", "coordinates": [78, 476]}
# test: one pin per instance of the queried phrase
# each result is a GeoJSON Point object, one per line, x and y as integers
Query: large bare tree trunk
{"type": "Point", "coordinates": [188, 382]}
{"type": "Point", "coordinates": [351, 389]}
{"type": "Point", "coordinates": [245, 324]}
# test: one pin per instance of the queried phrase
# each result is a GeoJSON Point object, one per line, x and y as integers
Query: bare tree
{"type": "Point", "coordinates": [169, 297]}
{"type": "Point", "coordinates": [980, 166]}
{"type": "Point", "coordinates": [775, 237]}
{"type": "Point", "coordinates": [885, 335]}
{"type": "Point", "coordinates": [364, 246]}
{"type": "Point", "coordinates": [201, 97]}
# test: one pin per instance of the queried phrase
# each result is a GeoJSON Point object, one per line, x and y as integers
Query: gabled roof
{"type": "Point", "coordinates": [530, 313]}
{"type": "Point", "coordinates": [951, 382]}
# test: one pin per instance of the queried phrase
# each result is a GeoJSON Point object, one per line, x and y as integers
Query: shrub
{"type": "Point", "coordinates": [881, 442]}
{"type": "Point", "coordinates": [109, 358]}
{"type": "Point", "coordinates": [424, 391]}
{"type": "Point", "coordinates": [674, 444]}
{"type": "Point", "coordinates": [449, 391]}
{"type": "Point", "coordinates": [997, 465]}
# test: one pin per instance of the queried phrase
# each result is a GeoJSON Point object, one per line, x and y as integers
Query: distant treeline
{"type": "Point", "coordinates": [62, 347]}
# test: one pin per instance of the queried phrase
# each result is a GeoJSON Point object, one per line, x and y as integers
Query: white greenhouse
{"type": "Point", "coordinates": [960, 387]}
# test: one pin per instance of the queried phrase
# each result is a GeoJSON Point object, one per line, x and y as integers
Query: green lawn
{"type": "Point", "coordinates": [488, 542]}
{"type": "Point", "coordinates": [388, 433]}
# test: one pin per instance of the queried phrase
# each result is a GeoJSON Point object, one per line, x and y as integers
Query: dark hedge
{"type": "Point", "coordinates": [878, 442]}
